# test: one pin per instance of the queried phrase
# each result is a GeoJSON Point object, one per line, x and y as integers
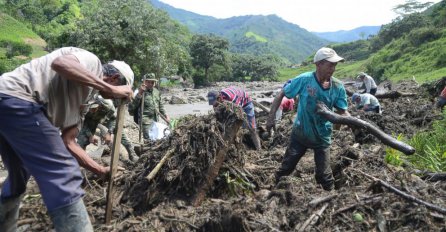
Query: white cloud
{"type": "Point", "coordinates": [313, 15]}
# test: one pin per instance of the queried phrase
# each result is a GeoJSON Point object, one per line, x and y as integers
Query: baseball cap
{"type": "Point", "coordinates": [361, 74]}
{"type": "Point", "coordinates": [355, 96]}
{"type": "Point", "coordinates": [125, 70]}
{"type": "Point", "coordinates": [212, 96]}
{"type": "Point", "coordinates": [150, 77]}
{"type": "Point", "coordinates": [327, 54]}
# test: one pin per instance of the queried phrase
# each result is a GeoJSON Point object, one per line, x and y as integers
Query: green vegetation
{"type": "Point", "coordinates": [257, 37]}
{"type": "Point", "coordinates": [13, 30]}
{"type": "Point", "coordinates": [18, 44]}
{"type": "Point", "coordinates": [430, 149]}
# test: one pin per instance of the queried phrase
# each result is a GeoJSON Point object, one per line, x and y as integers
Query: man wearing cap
{"type": "Point", "coordinates": [369, 83]}
{"type": "Point", "coordinates": [103, 111]}
{"type": "Point", "coordinates": [311, 130]}
{"type": "Point", "coordinates": [153, 104]}
{"type": "Point", "coordinates": [366, 102]}
{"type": "Point", "coordinates": [41, 108]}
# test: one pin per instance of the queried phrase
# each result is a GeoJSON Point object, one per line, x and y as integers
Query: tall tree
{"type": "Point", "coordinates": [133, 31]}
{"type": "Point", "coordinates": [207, 50]}
{"type": "Point", "coordinates": [410, 7]}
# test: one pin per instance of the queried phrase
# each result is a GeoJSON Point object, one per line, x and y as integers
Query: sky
{"type": "Point", "coordinates": [312, 15]}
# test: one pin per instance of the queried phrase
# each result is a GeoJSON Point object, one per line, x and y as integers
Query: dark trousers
{"type": "Point", "coordinates": [372, 91]}
{"type": "Point", "coordinates": [31, 145]}
{"type": "Point", "coordinates": [295, 151]}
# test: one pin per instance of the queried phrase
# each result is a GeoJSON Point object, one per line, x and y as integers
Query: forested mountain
{"type": "Point", "coordinates": [252, 34]}
{"type": "Point", "coordinates": [344, 36]}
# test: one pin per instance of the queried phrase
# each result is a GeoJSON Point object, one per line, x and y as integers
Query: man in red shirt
{"type": "Point", "coordinates": [442, 99]}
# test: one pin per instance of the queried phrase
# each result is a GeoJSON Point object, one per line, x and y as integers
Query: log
{"type": "Point", "coordinates": [394, 94]}
{"type": "Point", "coordinates": [352, 121]}
{"type": "Point", "coordinates": [157, 168]}
{"type": "Point", "coordinates": [229, 136]}
{"type": "Point", "coordinates": [258, 104]}
{"type": "Point", "coordinates": [391, 94]}
{"type": "Point", "coordinates": [320, 200]}
{"type": "Point", "coordinates": [404, 195]}
{"type": "Point", "coordinates": [433, 177]}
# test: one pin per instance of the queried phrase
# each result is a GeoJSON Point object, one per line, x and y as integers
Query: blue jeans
{"type": "Point", "coordinates": [31, 145]}
{"type": "Point", "coordinates": [251, 115]}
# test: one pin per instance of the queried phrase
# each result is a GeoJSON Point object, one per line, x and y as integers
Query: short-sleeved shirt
{"type": "Point", "coordinates": [368, 99]}
{"type": "Point", "coordinates": [314, 131]}
{"type": "Point", "coordinates": [236, 95]}
{"type": "Point", "coordinates": [369, 83]}
{"type": "Point", "coordinates": [63, 99]}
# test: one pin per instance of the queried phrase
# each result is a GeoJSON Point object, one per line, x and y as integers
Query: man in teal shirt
{"type": "Point", "coordinates": [310, 130]}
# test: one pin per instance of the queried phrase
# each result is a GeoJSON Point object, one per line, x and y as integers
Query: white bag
{"type": "Point", "coordinates": [158, 131]}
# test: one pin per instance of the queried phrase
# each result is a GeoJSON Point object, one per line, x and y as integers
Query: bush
{"type": "Point", "coordinates": [16, 48]}
{"type": "Point", "coordinates": [7, 65]}
{"type": "Point", "coordinates": [423, 35]}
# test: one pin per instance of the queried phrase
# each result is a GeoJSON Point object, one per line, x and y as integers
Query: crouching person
{"type": "Point", "coordinates": [38, 100]}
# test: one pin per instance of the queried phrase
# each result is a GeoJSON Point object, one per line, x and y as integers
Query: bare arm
{"type": "Point", "coordinates": [272, 113]}
{"type": "Point", "coordinates": [68, 67]}
{"type": "Point", "coordinates": [68, 137]}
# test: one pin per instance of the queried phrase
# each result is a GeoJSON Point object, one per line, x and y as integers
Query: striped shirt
{"type": "Point", "coordinates": [236, 95]}
{"type": "Point", "coordinates": [443, 93]}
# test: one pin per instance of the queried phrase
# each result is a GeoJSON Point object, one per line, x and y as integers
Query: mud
{"type": "Point", "coordinates": [244, 196]}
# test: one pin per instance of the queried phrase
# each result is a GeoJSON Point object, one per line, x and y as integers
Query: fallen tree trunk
{"type": "Point", "coordinates": [433, 177]}
{"type": "Point", "coordinates": [352, 121]}
{"type": "Point", "coordinates": [394, 94]}
{"type": "Point", "coordinates": [229, 136]}
{"type": "Point", "coordinates": [391, 94]}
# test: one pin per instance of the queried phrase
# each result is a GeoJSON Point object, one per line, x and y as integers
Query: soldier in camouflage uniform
{"type": "Point", "coordinates": [102, 111]}
{"type": "Point", "coordinates": [153, 105]}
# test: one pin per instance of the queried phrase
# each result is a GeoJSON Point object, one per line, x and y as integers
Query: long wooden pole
{"type": "Point", "coordinates": [140, 122]}
{"type": "Point", "coordinates": [114, 160]}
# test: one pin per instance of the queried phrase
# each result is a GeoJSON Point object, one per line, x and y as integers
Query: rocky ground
{"type": "Point", "coordinates": [244, 197]}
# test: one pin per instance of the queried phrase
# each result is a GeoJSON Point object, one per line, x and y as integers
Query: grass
{"type": "Point", "coordinates": [13, 30]}
{"type": "Point", "coordinates": [430, 149]}
{"type": "Point", "coordinates": [257, 37]}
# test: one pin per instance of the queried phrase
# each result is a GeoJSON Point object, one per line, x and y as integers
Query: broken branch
{"type": "Point", "coordinates": [349, 120]}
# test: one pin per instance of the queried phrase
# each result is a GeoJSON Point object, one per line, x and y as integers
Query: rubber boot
{"type": "Point", "coordinates": [72, 218]}
{"type": "Point", "coordinates": [131, 151]}
{"type": "Point", "coordinates": [9, 214]}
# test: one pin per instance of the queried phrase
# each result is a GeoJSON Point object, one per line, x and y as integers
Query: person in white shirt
{"type": "Point", "coordinates": [366, 102]}
{"type": "Point", "coordinates": [369, 83]}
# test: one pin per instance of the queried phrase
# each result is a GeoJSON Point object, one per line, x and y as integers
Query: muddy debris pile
{"type": "Point", "coordinates": [214, 180]}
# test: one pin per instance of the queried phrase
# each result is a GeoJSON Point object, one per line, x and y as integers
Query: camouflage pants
{"type": "Point", "coordinates": [83, 139]}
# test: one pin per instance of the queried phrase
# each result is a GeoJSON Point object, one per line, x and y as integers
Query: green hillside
{"type": "Point", "coordinates": [13, 30]}
{"type": "Point", "coordinates": [413, 46]}
{"type": "Point", "coordinates": [252, 34]}
{"type": "Point", "coordinates": [18, 43]}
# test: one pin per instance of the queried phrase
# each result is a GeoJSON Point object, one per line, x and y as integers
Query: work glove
{"type": "Point", "coordinates": [441, 102]}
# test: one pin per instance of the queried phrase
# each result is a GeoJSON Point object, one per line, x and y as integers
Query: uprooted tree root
{"type": "Point", "coordinates": [244, 197]}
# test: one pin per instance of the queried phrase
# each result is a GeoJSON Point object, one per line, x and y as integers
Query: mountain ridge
{"type": "Point", "coordinates": [284, 39]}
